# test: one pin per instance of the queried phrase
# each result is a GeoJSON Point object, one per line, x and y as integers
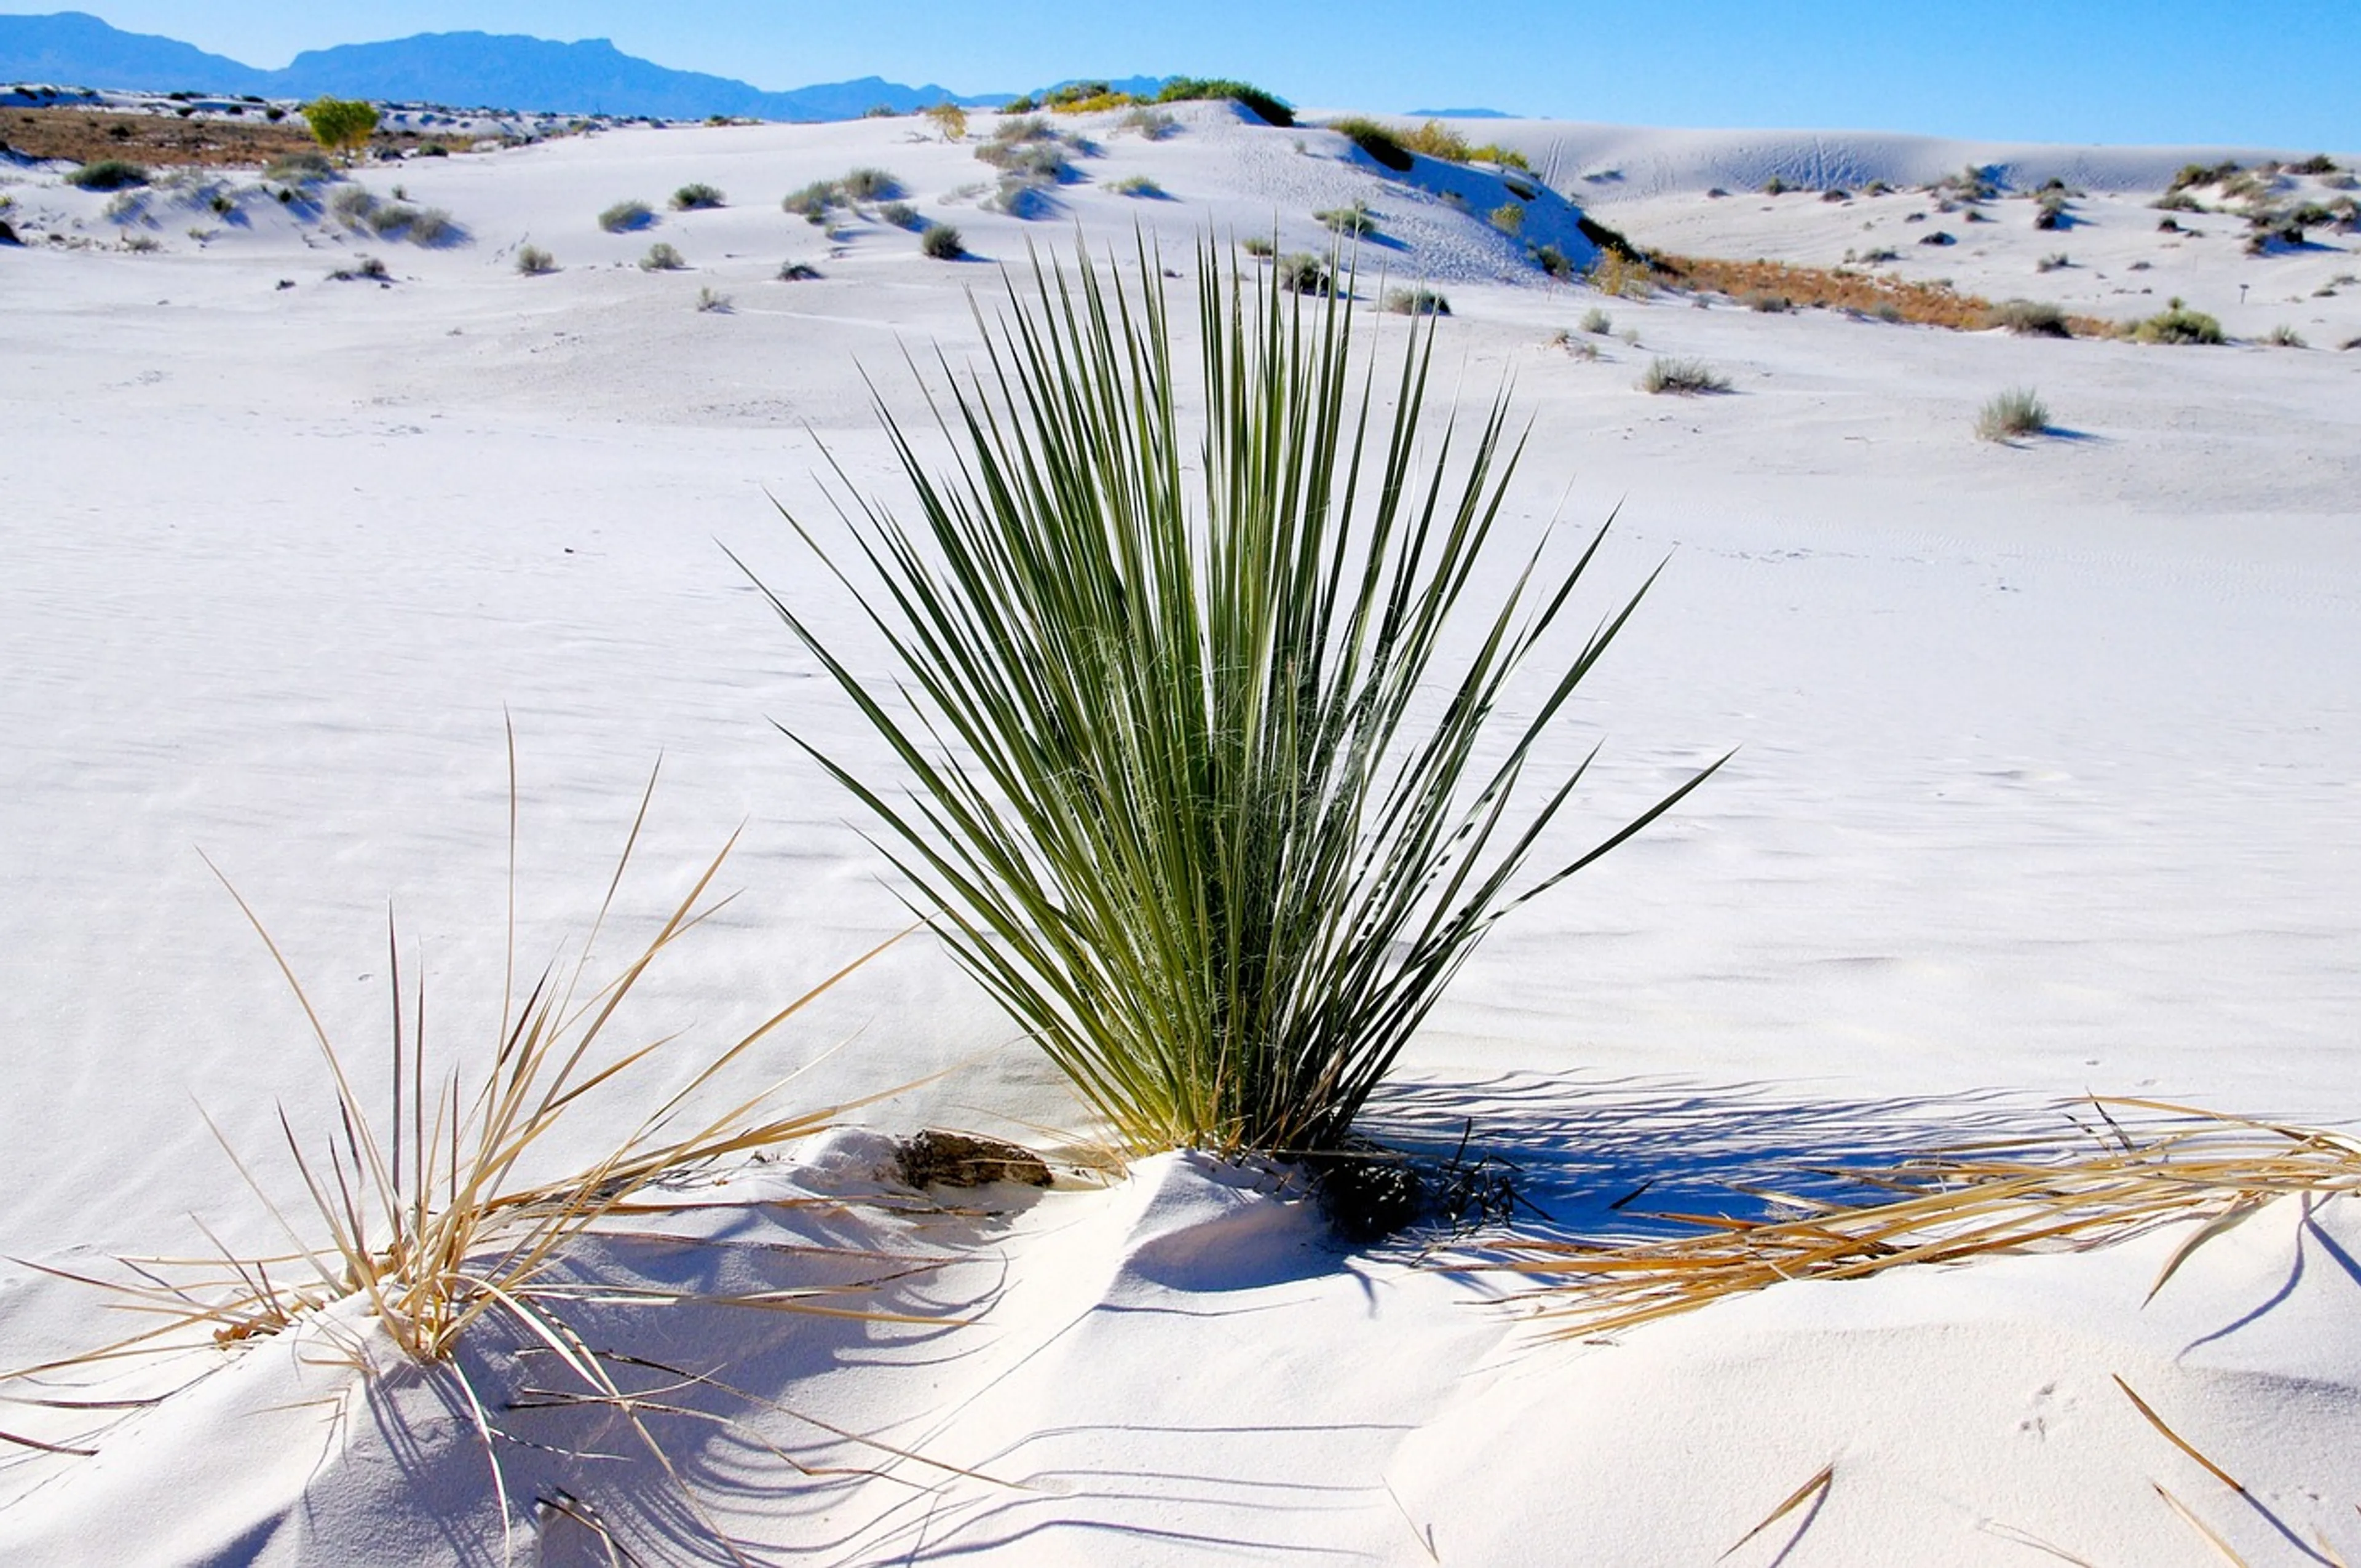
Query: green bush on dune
{"type": "Point", "coordinates": [1203, 751]}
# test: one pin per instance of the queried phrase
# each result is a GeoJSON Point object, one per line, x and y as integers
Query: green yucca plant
{"type": "Point", "coordinates": [1210, 775]}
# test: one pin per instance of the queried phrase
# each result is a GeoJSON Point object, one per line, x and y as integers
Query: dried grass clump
{"type": "Point", "coordinates": [2284, 336]}
{"type": "Point", "coordinates": [107, 174]}
{"type": "Point", "coordinates": [941, 242]}
{"type": "Point", "coordinates": [1137, 185]}
{"type": "Point", "coordinates": [663, 258]}
{"type": "Point", "coordinates": [534, 262]}
{"type": "Point", "coordinates": [712, 301]}
{"type": "Point", "coordinates": [1982, 1201]}
{"type": "Point", "coordinates": [2016, 412]}
{"type": "Point", "coordinates": [1684, 377]}
{"type": "Point", "coordinates": [2029, 318]}
{"type": "Point", "coordinates": [1840, 288]}
{"type": "Point", "coordinates": [697, 197]}
{"type": "Point", "coordinates": [1416, 303]}
{"type": "Point", "coordinates": [1381, 142]}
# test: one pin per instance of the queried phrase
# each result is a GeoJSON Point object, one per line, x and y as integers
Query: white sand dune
{"type": "Point", "coordinates": [2046, 786]}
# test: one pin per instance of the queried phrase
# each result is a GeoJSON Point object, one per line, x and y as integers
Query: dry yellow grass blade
{"type": "Point", "coordinates": [1795, 1499]}
{"type": "Point", "coordinates": [2174, 1438]}
{"type": "Point", "coordinates": [1952, 1206]}
{"type": "Point", "coordinates": [2212, 1537]}
{"type": "Point", "coordinates": [2026, 1538]}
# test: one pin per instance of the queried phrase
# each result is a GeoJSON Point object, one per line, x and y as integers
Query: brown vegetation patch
{"type": "Point", "coordinates": [1845, 289]}
{"type": "Point", "coordinates": [212, 141]}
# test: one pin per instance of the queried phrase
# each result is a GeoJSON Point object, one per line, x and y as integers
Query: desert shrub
{"type": "Point", "coordinates": [942, 243]}
{"type": "Point", "coordinates": [142, 244]}
{"type": "Point", "coordinates": [1775, 186]}
{"type": "Point", "coordinates": [1509, 217]}
{"type": "Point", "coordinates": [1835, 194]}
{"type": "Point", "coordinates": [1416, 303]}
{"type": "Point", "coordinates": [534, 262]}
{"type": "Point", "coordinates": [949, 119]}
{"type": "Point", "coordinates": [433, 149]}
{"type": "Point", "coordinates": [1224, 917]}
{"type": "Point", "coordinates": [342, 125]}
{"type": "Point", "coordinates": [300, 169]}
{"type": "Point", "coordinates": [709, 299]}
{"type": "Point", "coordinates": [126, 206]}
{"type": "Point", "coordinates": [2056, 261]}
{"type": "Point", "coordinates": [391, 218]}
{"type": "Point", "coordinates": [2196, 174]}
{"type": "Point", "coordinates": [1029, 127]}
{"type": "Point", "coordinates": [798, 271]}
{"type": "Point", "coordinates": [1620, 276]}
{"type": "Point", "coordinates": [352, 205]}
{"type": "Point", "coordinates": [900, 214]}
{"type": "Point", "coordinates": [1356, 220]}
{"type": "Point", "coordinates": [1880, 255]}
{"type": "Point", "coordinates": [107, 174]}
{"type": "Point", "coordinates": [1267, 107]}
{"type": "Point", "coordinates": [813, 201]}
{"type": "Point", "coordinates": [1597, 322]}
{"type": "Point", "coordinates": [1151, 123]}
{"type": "Point", "coordinates": [2018, 411]}
{"type": "Point", "coordinates": [2166, 226]}
{"type": "Point", "coordinates": [1685, 377]}
{"type": "Point", "coordinates": [1554, 261]}
{"type": "Point", "coordinates": [2178, 324]}
{"type": "Point", "coordinates": [1040, 162]}
{"type": "Point", "coordinates": [2317, 163]}
{"type": "Point", "coordinates": [696, 197]}
{"type": "Point", "coordinates": [1970, 184]}
{"type": "Point", "coordinates": [2051, 212]}
{"type": "Point", "coordinates": [1077, 96]}
{"type": "Point", "coordinates": [2176, 202]}
{"type": "Point", "coordinates": [1769, 305]}
{"type": "Point", "coordinates": [2029, 318]}
{"type": "Point", "coordinates": [1257, 246]}
{"type": "Point", "coordinates": [2284, 336]}
{"type": "Point", "coordinates": [1136, 185]}
{"type": "Point", "coordinates": [364, 269]}
{"type": "Point", "coordinates": [1377, 140]}
{"type": "Point", "coordinates": [870, 185]}
{"type": "Point", "coordinates": [625, 216]}
{"type": "Point", "coordinates": [662, 257]}
{"type": "Point", "coordinates": [1022, 103]}
{"type": "Point", "coordinates": [432, 225]}
{"type": "Point", "coordinates": [1304, 273]}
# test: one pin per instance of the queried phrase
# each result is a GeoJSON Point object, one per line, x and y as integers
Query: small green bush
{"type": "Point", "coordinates": [2029, 318]}
{"type": "Point", "coordinates": [1416, 303]}
{"type": "Point", "coordinates": [900, 214]}
{"type": "Point", "coordinates": [1136, 185]}
{"type": "Point", "coordinates": [1597, 323]}
{"type": "Point", "coordinates": [625, 216]}
{"type": "Point", "coordinates": [1509, 217]}
{"type": "Point", "coordinates": [1554, 261]}
{"type": "Point", "coordinates": [391, 218]}
{"type": "Point", "coordinates": [870, 185]}
{"type": "Point", "coordinates": [1257, 246]}
{"type": "Point", "coordinates": [1153, 123]}
{"type": "Point", "coordinates": [798, 271]}
{"type": "Point", "coordinates": [708, 300]}
{"type": "Point", "coordinates": [300, 169]}
{"type": "Point", "coordinates": [812, 202]}
{"type": "Point", "coordinates": [662, 257]}
{"type": "Point", "coordinates": [942, 243]}
{"type": "Point", "coordinates": [2178, 324]}
{"type": "Point", "coordinates": [1775, 186]}
{"type": "Point", "coordinates": [344, 124]}
{"type": "Point", "coordinates": [534, 262]}
{"type": "Point", "coordinates": [697, 197]}
{"type": "Point", "coordinates": [2284, 336]}
{"type": "Point", "coordinates": [1270, 109]}
{"type": "Point", "coordinates": [2016, 412]}
{"type": "Point", "coordinates": [107, 174]}
{"type": "Point", "coordinates": [1356, 220]}
{"type": "Point", "coordinates": [1379, 141]}
{"type": "Point", "coordinates": [1304, 273]}
{"type": "Point", "coordinates": [1686, 377]}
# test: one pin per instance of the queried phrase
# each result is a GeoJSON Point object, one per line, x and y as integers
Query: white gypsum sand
{"type": "Point", "coordinates": [2045, 788]}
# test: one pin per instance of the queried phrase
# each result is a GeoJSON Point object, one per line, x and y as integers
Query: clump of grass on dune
{"type": "Point", "coordinates": [2016, 412]}
{"type": "Point", "coordinates": [625, 216]}
{"type": "Point", "coordinates": [443, 1214]}
{"type": "Point", "coordinates": [2029, 318]}
{"type": "Point", "coordinates": [1193, 781]}
{"type": "Point", "coordinates": [697, 197]}
{"type": "Point", "coordinates": [2178, 324]}
{"type": "Point", "coordinates": [2026, 1195]}
{"type": "Point", "coordinates": [1686, 377]}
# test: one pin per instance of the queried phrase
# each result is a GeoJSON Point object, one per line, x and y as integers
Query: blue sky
{"type": "Point", "coordinates": [2273, 72]}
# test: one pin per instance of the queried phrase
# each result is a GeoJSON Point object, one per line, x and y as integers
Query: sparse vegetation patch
{"type": "Point", "coordinates": [625, 216]}
{"type": "Point", "coordinates": [1416, 303]}
{"type": "Point", "coordinates": [1686, 377]}
{"type": "Point", "coordinates": [697, 197]}
{"type": "Point", "coordinates": [2016, 412]}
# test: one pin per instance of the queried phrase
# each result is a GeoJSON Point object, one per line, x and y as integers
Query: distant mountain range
{"type": "Point", "coordinates": [463, 69]}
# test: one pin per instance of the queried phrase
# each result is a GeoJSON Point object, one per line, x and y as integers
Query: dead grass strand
{"type": "Point", "coordinates": [1795, 1499]}
{"type": "Point", "coordinates": [2174, 1438]}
